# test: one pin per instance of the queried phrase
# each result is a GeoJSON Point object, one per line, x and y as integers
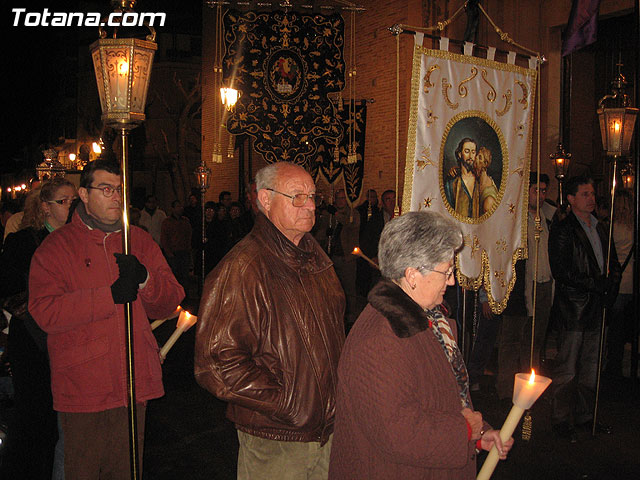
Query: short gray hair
{"type": "Point", "coordinates": [417, 239]}
{"type": "Point", "coordinates": [267, 177]}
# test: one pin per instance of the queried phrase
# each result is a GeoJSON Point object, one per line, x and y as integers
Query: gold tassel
{"type": "Point", "coordinates": [527, 425]}
{"type": "Point", "coordinates": [232, 145]}
{"type": "Point", "coordinates": [216, 157]}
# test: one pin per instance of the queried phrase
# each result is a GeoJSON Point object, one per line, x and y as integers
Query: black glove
{"type": "Point", "coordinates": [331, 209]}
{"type": "Point", "coordinates": [124, 290]}
{"type": "Point", "coordinates": [130, 267]}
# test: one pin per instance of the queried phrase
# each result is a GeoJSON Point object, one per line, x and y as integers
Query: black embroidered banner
{"type": "Point", "coordinates": [325, 162]}
{"type": "Point", "coordinates": [285, 64]}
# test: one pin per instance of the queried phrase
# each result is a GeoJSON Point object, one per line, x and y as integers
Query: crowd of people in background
{"type": "Point", "coordinates": [566, 270]}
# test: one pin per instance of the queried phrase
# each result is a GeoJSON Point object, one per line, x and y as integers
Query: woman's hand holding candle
{"type": "Point", "coordinates": [491, 438]}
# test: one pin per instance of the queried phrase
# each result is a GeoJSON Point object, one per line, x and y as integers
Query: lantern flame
{"type": "Point", "coordinates": [123, 68]}
{"type": "Point", "coordinates": [616, 126]}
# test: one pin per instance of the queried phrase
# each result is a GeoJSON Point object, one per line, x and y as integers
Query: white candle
{"type": "Point", "coordinates": [525, 392]}
{"type": "Point", "coordinates": [185, 321]}
{"type": "Point", "coordinates": [156, 323]}
{"type": "Point", "coordinates": [358, 252]}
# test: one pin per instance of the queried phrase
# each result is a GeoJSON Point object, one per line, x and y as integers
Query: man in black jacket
{"type": "Point", "coordinates": [578, 259]}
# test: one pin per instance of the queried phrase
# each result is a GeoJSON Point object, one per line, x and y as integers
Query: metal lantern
{"type": "Point", "coordinates": [616, 120]}
{"type": "Point", "coordinates": [203, 176]}
{"type": "Point", "coordinates": [123, 70]}
{"type": "Point", "coordinates": [628, 177]}
{"type": "Point", "coordinates": [561, 161]}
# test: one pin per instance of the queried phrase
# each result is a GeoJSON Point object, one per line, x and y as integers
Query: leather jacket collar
{"type": "Point", "coordinates": [306, 258]}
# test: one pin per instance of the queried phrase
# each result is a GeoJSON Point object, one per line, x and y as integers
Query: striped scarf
{"type": "Point", "coordinates": [441, 329]}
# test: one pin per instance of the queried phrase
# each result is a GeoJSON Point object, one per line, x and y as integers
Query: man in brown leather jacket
{"type": "Point", "coordinates": [270, 334]}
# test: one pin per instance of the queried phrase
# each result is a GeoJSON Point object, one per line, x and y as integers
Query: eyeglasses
{"type": "Point", "coordinates": [299, 199]}
{"type": "Point", "coordinates": [447, 274]}
{"type": "Point", "coordinates": [109, 190]}
{"type": "Point", "coordinates": [63, 201]}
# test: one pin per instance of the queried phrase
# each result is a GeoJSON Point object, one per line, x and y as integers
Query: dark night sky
{"type": "Point", "coordinates": [32, 66]}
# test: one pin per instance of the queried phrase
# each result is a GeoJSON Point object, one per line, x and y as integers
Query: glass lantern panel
{"type": "Point", "coordinates": [97, 66]}
{"type": "Point", "coordinates": [142, 61]}
{"type": "Point", "coordinates": [629, 123]}
{"type": "Point", "coordinates": [118, 59]}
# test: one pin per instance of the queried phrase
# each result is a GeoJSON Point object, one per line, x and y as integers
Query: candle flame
{"type": "Point", "coordinates": [532, 377]}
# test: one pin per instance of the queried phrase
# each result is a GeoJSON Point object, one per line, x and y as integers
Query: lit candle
{"type": "Point", "coordinates": [156, 323]}
{"type": "Point", "coordinates": [525, 393]}
{"type": "Point", "coordinates": [358, 252]}
{"type": "Point", "coordinates": [185, 321]}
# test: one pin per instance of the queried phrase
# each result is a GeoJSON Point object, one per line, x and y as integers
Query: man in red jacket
{"type": "Point", "coordinates": [78, 282]}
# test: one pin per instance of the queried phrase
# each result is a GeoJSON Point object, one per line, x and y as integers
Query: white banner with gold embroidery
{"type": "Point", "coordinates": [468, 156]}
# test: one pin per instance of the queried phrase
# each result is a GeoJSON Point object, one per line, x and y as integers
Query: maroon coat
{"type": "Point", "coordinates": [398, 413]}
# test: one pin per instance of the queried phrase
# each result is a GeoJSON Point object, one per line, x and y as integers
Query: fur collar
{"type": "Point", "coordinates": [404, 315]}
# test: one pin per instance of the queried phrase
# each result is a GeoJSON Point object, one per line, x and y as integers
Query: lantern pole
{"type": "Point", "coordinates": [203, 174]}
{"type": "Point", "coordinates": [123, 68]}
{"type": "Point", "coordinates": [617, 122]}
{"type": "Point", "coordinates": [128, 312]}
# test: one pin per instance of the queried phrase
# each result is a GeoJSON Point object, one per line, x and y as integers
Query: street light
{"type": "Point", "coordinates": [123, 70]}
{"type": "Point", "coordinates": [229, 97]}
{"type": "Point", "coordinates": [561, 161]}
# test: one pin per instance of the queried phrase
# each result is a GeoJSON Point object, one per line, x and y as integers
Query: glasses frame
{"type": "Point", "coordinates": [108, 188]}
{"type": "Point", "coordinates": [62, 201]}
{"type": "Point", "coordinates": [447, 274]}
{"type": "Point", "coordinates": [306, 196]}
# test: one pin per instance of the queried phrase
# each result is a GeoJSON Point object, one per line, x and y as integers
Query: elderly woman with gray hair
{"type": "Point", "coordinates": [403, 407]}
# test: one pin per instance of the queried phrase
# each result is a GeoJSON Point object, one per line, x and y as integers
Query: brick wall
{"type": "Point", "coordinates": [376, 75]}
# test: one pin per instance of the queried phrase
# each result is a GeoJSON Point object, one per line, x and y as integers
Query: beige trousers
{"type": "Point", "coordinates": [263, 459]}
